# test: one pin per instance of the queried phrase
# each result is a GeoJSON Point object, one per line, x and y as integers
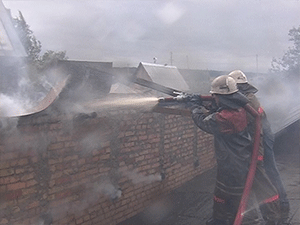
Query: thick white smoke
{"type": "Point", "coordinates": [279, 98]}
{"type": "Point", "coordinates": [13, 105]}
{"type": "Point", "coordinates": [138, 178]}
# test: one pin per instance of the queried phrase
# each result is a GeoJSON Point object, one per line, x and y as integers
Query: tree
{"type": "Point", "coordinates": [32, 46]}
{"type": "Point", "coordinates": [289, 64]}
{"type": "Point", "coordinates": [37, 67]}
{"type": "Point", "coordinates": [50, 58]}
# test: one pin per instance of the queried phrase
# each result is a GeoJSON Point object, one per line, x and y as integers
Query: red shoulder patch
{"type": "Point", "coordinates": [232, 121]}
{"type": "Point", "coordinates": [260, 110]}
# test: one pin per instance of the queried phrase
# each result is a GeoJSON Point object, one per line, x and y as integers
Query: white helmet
{"type": "Point", "coordinates": [238, 76]}
{"type": "Point", "coordinates": [223, 85]}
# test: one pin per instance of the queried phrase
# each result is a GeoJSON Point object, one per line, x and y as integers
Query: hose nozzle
{"type": "Point", "coordinates": [163, 100]}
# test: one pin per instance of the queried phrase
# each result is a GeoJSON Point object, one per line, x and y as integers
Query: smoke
{"type": "Point", "coordinates": [13, 105]}
{"type": "Point", "coordinates": [157, 211]}
{"type": "Point", "coordinates": [107, 188]}
{"type": "Point", "coordinates": [23, 87]}
{"type": "Point", "coordinates": [23, 142]}
{"type": "Point", "coordinates": [8, 125]}
{"type": "Point", "coordinates": [138, 178]}
{"type": "Point", "coordinates": [279, 98]}
{"type": "Point", "coordinates": [91, 142]}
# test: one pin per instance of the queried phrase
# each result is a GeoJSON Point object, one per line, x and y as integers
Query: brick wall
{"type": "Point", "coordinates": [95, 169]}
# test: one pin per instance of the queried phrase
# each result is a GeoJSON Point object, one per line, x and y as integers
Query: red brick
{"type": "Point", "coordinates": [4, 165]}
{"type": "Point", "coordinates": [9, 180]}
{"type": "Point", "coordinates": [27, 176]}
{"type": "Point", "coordinates": [55, 126]}
{"type": "Point", "coordinates": [144, 137]}
{"type": "Point", "coordinates": [55, 146]}
{"type": "Point", "coordinates": [147, 152]}
{"type": "Point", "coordinates": [16, 186]}
{"type": "Point", "coordinates": [81, 161]}
{"type": "Point", "coordinates": [63, 194]}
{"type": "Point", "coordinates": [20, 170]}
{"type": "Point", "coordinates": [70, 158]}
{"type": "Point", "coordinates": [4, 221]}
{"type": "Point", "coordinates": [129, 133]}
{"type": "Point", "coordinates": [31, 183]}
{"type": "Point", "coordinates": [28, 191]}
{"type": "Point", "coordinates": [79, 221]}
{"type": "Point", "coordinates": [12, 195]}
{"type": "Point", "coordinates": [2, 190]}
{"type": "Point", "coordinates": [20, 162]}
{"type": "Point", "coordinates": [8, 156]}
{"type": "Point", "coordinates": [33, 205]}
{"type": "Point", "coordinates": [86, 218]}
{"type": "Point", "coordinates": [63, 180]}
{"type": "Point", "coordinates": [55, 161]}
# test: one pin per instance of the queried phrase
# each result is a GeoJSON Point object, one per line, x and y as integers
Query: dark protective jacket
{"type": "Point", "coordinates": [232, 141]}
{"type": "Point", "coordinates": [233, 148]}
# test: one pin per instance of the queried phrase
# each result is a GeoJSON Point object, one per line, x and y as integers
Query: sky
{"type": "Point", "coordinates": [196, 34]}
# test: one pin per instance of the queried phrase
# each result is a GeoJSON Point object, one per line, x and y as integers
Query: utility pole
{"type": "Point", "coordinates": [256, 64]}
{"type": "Point", "coordinates": [187, 62]}
{"type": "Point", "coordinates": [171, 57]}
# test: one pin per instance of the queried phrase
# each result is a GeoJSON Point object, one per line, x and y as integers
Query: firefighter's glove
{"type": "Point", "coordinates": [197, 109]}
{"type": "Point", "coordinates": [196, 100]}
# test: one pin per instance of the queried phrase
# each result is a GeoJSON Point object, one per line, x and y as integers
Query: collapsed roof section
{"type": "Point", "coordinates": [10, 44]}
{"type": "Point", "coordinates": [72, 81]}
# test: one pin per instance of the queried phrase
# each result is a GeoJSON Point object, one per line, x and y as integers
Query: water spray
{"type": "Point", "coordinates": [184, 98]}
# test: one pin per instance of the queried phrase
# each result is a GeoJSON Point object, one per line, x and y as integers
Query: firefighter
{"type": "Point", "coordinates": [233, 147]}
{"type": "Point", "coordinates": [268, 140]}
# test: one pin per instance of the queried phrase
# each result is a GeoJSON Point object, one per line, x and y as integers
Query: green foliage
{"type": "Point", "coordinates": [289, 63]}
{"type": "Point", "coordinates": [33, 46]}
{"type": "Point", "coordinates": [50, 58]}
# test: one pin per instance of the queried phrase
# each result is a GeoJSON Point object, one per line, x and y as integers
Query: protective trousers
{"type": "Point", "coordinates": [271, 168]}
{"type": "Point", "coordinates": [263, 197]}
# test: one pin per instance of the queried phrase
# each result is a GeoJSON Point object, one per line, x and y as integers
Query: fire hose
{"type": "Point", "coordinates": [252, 168]}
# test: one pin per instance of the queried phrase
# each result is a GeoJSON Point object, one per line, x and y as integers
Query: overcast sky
{"type": "Point", "coordinates": [199, 34]}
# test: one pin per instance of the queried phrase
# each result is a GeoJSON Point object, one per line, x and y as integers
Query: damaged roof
{"type": "Point", "coordinates": [10, 44]}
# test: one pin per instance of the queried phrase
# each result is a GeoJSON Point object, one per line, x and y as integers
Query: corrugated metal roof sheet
{"type": "Point", "coordinates": [168, 76]}
{"type": "Point", "coordinates": [10, 44]}
{"type": "Point", "coordinates": [280, 118]}
{"type": "Point", "coordinates": [280, 99]}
